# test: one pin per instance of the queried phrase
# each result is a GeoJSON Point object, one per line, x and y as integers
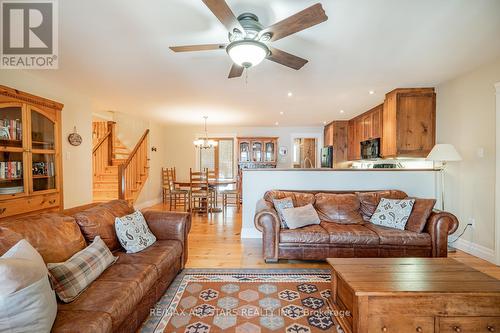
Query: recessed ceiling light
{"type": "Point", "coordinates": [282, 113]}
{"type": "Point", "coordinates": [276, 123]}
{"type": "Point", "coordinates": [342, 111]}
{"type": "Point", "coordinates": [371, 92]}
{"type": "Point", "coordinates": [290, 94]}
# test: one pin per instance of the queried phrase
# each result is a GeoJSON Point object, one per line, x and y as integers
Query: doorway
{"type": "Point", "coordinates": [305, 153]}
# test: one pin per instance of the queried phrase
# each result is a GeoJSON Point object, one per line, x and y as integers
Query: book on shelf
{"type": "Point", "coordinates": [11, 170]}
{"type": "Point", "coordinates": [12, 127]}
{"type": "Point", "coordinates": [44, 169]}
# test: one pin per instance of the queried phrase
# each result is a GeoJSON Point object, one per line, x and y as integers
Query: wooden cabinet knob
{"type": "Point", "coordinates": [419, 329]}
{"type": "Point", "coordinates": [2, 210]}
{"type": "Point", "coordinates": [384, 329]}
{"type": "Point", "coordinates": [491, 328]}
{"type": "Point", "coordinates": [457, 329]}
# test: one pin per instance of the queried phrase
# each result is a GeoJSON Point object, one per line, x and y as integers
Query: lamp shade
{"type": "Point", "coordinates": [444, 152]}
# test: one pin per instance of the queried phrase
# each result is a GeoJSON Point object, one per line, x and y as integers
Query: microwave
{"type": "Point", "coordinates": [370, 149]}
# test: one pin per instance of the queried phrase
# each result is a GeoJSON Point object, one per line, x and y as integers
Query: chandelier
{"type": "Point", "coordinates": [205, 143]}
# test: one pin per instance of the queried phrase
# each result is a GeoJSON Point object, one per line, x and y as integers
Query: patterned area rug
{"type": "Point", "coordinates": [245, 301]}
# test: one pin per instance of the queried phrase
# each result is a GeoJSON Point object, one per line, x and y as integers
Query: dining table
{"type": "Point", "coordinates": [214, 183]}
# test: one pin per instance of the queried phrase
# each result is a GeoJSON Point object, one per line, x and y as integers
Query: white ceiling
{"type": "Point", "coordinates": [116, 51]}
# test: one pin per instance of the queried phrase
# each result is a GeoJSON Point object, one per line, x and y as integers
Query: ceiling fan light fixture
{"type": "Point", "coordinates": [247, 53]}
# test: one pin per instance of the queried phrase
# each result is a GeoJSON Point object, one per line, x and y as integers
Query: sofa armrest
{"type": "Point", "coordinates": [266, 220]}
{"type": "Point", "coordinates": [170, 226]}
{"type": "Point", "coordinates": [439, 226]}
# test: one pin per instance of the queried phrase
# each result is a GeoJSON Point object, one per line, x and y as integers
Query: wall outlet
{"type": "Point", "coordinates": [472, 222]}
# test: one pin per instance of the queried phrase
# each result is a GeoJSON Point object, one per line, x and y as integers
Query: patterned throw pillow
{"type": "Point", "coordinates": [393, 213]}
{"type": "Point", "coordinates": [280, 205]}
{"type": "Point", "coordinates": [70, 278]}
{"type": "Point", "coordinates": [133, 232]}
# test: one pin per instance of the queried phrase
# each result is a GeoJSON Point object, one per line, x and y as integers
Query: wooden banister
{"type": "Point", "coordinates": [133, 173]}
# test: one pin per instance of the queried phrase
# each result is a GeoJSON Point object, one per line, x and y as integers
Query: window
{"type": "Point", "coordinates": [219, 158]}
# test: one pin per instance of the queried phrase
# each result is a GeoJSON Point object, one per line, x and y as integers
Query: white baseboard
{"type": "Point", "coordinates": [475, 250]}
{"type": "Point", "coordinates": [250, 233]}
{"type": "Point", "coordinates": [148, 203]}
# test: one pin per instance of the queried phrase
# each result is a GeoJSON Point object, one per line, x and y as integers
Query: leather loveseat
{"type": "Point", "coordinates": [123, 296]}
{"type": "Point", "coordinates": [345, 231]}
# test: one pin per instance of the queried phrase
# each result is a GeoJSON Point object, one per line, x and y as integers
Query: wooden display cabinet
{"type": "Point", "coordinates": [30, 154]}
{"type": "Point", "coordinates": [257, 150]}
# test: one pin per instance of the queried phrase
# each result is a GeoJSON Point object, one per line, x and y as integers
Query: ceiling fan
{"type": "Point", "coordinates": [249, 41]}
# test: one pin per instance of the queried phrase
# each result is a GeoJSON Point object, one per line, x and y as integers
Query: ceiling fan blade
{"type": "Point", "coordinates": [302, 20]}
{"type": "Point", "coordinates": [286, 59]}
{"type": "Point", "coordinates": [236, 71]}
{"type": "Point", "coordinates": [205, 47]}
{"type": "Point", "coordinates": [225, 15]}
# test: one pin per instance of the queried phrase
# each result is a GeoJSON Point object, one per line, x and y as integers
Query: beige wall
{"type": "Point", "coordinates": [77, 164]}
{"type": "Point", "coordinates": [466, 119]}
{"type": "Point", "coordinates": [181, 153]}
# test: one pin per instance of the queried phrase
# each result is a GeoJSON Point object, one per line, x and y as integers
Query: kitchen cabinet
{"type": "Point", "coordinates": [336, 135]}
{"type": "Point", "coordinates": [367, 126]}
{"type": "Point", "coordinates": [409, 122]}
{"type": "Point", "coordinates": [30, 159]}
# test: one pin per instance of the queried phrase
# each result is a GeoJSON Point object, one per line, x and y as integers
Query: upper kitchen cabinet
{"type": "Point", "coordinates": [364, 127]}
{"type": "Point", "coordinates": [335, 134]}
{"type": "Point", "coordinates": [409, 122]}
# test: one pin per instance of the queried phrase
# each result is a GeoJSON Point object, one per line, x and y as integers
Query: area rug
{"type": "Point", "coordinates": [245, 301]}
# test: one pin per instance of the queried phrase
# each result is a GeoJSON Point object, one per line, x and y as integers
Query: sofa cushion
{"type": "Point", "coordinates": [98, 221]}
{"type": "Point", "coordinates": [145, 275]}
{"type": "Point", "coordinates": [422, 209]}
{"type": "Point", "coordinates": [338, 208]}
{"type": "Point", "coordinates": [299, 198]}
{"type": "Point", "coordinates": [370, 200]}
{"type": "Point", "coordinates": [8, 239]}
{"type": "Point", "coordinates": [86, 321]}
{"type": "Point", "coordinates": [300, 217]}
{"type": "Point", "coordinates": [119, 299]}
{"type": "Point", "coordinates": [313, 234]}
{"type": "Point", "coordinates": [56, 237]}
{"type": "Point", "coordinates": [391, 236]}
{"type": "Point", "coordinates": [133, 232]}
{"type": "Point", "coordinates": [163, 254]}
{"type": "Point", "coordinates": [72, 277]}
{"type": "Point", "coordinates": [350, 234]}
{"type": "Point", "coordinates": [393, 213]}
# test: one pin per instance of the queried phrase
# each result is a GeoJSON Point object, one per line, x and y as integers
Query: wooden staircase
{"type": "Point", "coordinates": [111, 158]}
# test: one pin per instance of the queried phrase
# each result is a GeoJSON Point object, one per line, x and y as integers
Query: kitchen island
{"type": "Point", "coordinates": [415, 182]}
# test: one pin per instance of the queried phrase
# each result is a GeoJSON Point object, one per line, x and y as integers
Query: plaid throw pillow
{"type": "Point", "coordinates": [70, 278]}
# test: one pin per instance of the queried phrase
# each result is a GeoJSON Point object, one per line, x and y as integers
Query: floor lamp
{"type": "Point", "coordinates": [443, 153]}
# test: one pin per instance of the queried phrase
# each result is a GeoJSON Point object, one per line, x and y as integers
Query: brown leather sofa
{"type": "Point", "coordinates": [345, 232]}
{"type": "Point", "coordinates": [121, 298]}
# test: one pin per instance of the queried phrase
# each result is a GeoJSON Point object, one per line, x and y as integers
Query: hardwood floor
{"type": "Point", "coordinates": [214, 241]}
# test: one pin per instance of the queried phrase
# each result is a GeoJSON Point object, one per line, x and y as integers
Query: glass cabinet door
{"type": "Point", "coordinates": [269, 151]}
{"type": "Point", "coordinates": [43, 154]}
{"type": "Point", "coordinates": [11, 126]}
{"type": "Point", "coordinates": [11, 173]}
{"type": "Point", "coordinates": [244, 151]}
{"type": "Point", "coordinates": [257, 151]}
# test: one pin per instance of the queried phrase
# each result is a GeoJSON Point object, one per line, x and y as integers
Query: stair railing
{"type": "Point", "coordinates": [133, 173]}
{"type": "Point", "coordinates": [102, 153]}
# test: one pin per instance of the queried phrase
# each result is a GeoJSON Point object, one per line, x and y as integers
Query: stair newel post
{"type": "Point", "coordinates": [121, 182]}
{"type": "Point", "coordinates": [111, 141]}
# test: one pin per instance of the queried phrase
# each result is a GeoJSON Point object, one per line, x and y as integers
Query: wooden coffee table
{"type": "Point", "coordinates": [422, 295]}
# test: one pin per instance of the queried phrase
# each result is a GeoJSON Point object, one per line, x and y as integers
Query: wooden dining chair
{"type": "Point", "coordinates": [177, 197]}
{"type": "Point", "coordinates": [232, 196]}
{"type": "Point", "coordinates": [200, 197]}
{"type": "Point", "coordinates": [213, 176]}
